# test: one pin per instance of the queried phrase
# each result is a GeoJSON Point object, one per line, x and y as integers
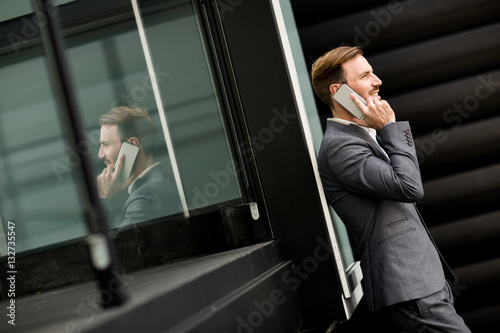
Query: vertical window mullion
{"type": "Point", "coordinates": [159, 105]}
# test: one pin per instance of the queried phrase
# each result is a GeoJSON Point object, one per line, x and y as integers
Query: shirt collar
{"type": "Point", "coordinates": [131, 186]}
{"type": "Point", "coordinates": [371, 131]}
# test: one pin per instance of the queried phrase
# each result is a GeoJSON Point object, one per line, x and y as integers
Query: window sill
{"type": "Point", "coordinates": [179, 294]}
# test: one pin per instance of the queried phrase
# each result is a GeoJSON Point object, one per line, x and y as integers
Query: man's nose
{"type": "Point", "coordinates": [377, 81]}
{"type": "Point", "coordinates": [101, 154]}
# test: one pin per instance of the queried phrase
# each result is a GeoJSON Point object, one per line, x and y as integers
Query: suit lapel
{"type": "Point", "coordinates": [381, 147]}
{"type": "Point", "coordinates": [362, 134]}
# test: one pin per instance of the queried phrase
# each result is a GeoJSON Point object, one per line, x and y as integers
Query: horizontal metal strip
{"type": "Point", "coordinates": [462, 189]}
{"type": "Point", "coordinates": [460, 144]}
{"type": "Point", "coordinates": [481, 319]}
{"type": "Point", "coordinates": [438, 60]}
{"type": "Point", "coordinates": [450, 104]}
{"type": "Point", "coordinates": [468, 231]}
{"type": "Point", "coordinates": [397, 23]}
{"type": "Point", "coordinates": [481, 273]}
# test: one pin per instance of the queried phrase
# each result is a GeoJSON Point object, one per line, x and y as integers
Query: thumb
{"type": "Point", "coordinates": [360, 122]}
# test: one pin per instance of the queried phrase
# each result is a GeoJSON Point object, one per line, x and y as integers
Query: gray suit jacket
{"type": "Point", "coordinates": [153, 196]}
{"type": "Point", "coordinates": [374, 196]}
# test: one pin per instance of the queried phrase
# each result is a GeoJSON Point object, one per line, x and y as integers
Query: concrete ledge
{"type": "Point", "coordinates": [238, 289]}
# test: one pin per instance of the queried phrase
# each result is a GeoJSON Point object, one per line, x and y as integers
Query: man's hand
{"type": "Point", "coordinates": [108, 182]}
{"type": "Point", "coordinates": [377, 113]}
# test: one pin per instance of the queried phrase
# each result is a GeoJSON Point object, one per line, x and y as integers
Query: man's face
{"type": "Point", "coordinates": [360, 77]}
{"type": "Point", "coordinates": [110, 144]}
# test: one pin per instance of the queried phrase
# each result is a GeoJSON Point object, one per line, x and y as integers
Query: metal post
{"type": "Point", "coordinates": [101, 246]}
{"type": "Point", "coordinates": [159, 106]}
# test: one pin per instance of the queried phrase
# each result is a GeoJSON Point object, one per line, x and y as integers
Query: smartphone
{"type": "Point", "coordinates": [130, 151]}
{"type": "Point", "coordinates": [343, 96]}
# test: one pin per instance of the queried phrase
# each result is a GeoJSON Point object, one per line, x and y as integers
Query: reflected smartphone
{"type": "Point", "coordinates": [130, 151]}
{"type": "Point", "coordinates": [343, 96]}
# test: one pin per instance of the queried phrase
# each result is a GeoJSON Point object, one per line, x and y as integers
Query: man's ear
{"type": "Point", "coordinates": [334, 87]}
{"type": "Point", "coordinates": [133, 140]}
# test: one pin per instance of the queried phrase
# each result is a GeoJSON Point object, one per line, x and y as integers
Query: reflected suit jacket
{"type": "Point", "coordinates": [152, 196]}
{"type": "Point", "coordinates": [374, 194]}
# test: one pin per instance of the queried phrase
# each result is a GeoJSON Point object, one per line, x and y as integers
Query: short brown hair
{"type": "Point", "coordinates": [327, 70]}
{"type": "Point", "coordinates": [132, 122]}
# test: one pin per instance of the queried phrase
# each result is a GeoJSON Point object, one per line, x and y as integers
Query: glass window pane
{"type": "Point", "coordinates": [191, 105]}
{"type": "Point", "coordinates": [33, 155]}
{"type": "Point", "coordinates": [110, 74]}
{"type": "Point", "coordinates": [110, 69]}
{"type": "Point", "coordinates": [184, 168]}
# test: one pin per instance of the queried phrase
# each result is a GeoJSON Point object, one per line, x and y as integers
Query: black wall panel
{"type": "Point", "coordinates": [440, 66]}
{"type": "Point", "coordinates": [282, 159]}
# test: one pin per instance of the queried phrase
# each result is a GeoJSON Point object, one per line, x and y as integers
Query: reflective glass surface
{"type": "Point", "coordinates": [184, 165]}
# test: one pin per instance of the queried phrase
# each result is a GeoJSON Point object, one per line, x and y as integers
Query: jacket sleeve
{"type": "Point", "coordinates": [112, 212]}
{"type": "Point", "coordinates": [146, 205]}
{"type": "Point", "coordinates": [358, 170]}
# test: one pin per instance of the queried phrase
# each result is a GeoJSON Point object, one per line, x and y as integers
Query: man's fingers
{"type": "Point", "coordinates": [373, 100]}
{"type": "Point", "coordinates": [105, 172]}
{"type": "Point", "coordinates": [358, 102]}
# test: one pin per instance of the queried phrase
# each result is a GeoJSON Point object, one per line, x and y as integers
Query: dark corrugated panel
{"type": "Point", "coordinates": [479, 286]}
{"type": "Point", "coordinates": [459, 148]}
{"type": "Point", "coordinates": [461, 195]}
{"type": "Point", "coordinates": [378, 27]}
{"type": "Point", "coordinates": [440, 66]}
{"type": "Point", "coordinates": [450, 104]}
{"type": "Point", "coordinates": [470, 240]}
{"type": "Point", "coordinates": [438, 60]}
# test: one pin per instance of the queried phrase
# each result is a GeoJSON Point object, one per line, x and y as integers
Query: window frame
{"type": "Point", "coordinates": [207, 221]}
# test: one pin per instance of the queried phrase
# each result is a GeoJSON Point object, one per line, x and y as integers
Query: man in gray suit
{"type": "Point", "coordinates": [149, 193]}
{"type": "Point", "coordinates": [370, 173]}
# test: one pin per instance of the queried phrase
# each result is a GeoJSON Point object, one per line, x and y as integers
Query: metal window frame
{"type": "Point", "coordinates": [349, 277]}
{"type": "Point", "coordinates": [102, 248]}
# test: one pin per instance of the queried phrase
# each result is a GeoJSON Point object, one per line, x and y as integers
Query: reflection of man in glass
{"type": "Point", "coordinates": [151, 193]}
